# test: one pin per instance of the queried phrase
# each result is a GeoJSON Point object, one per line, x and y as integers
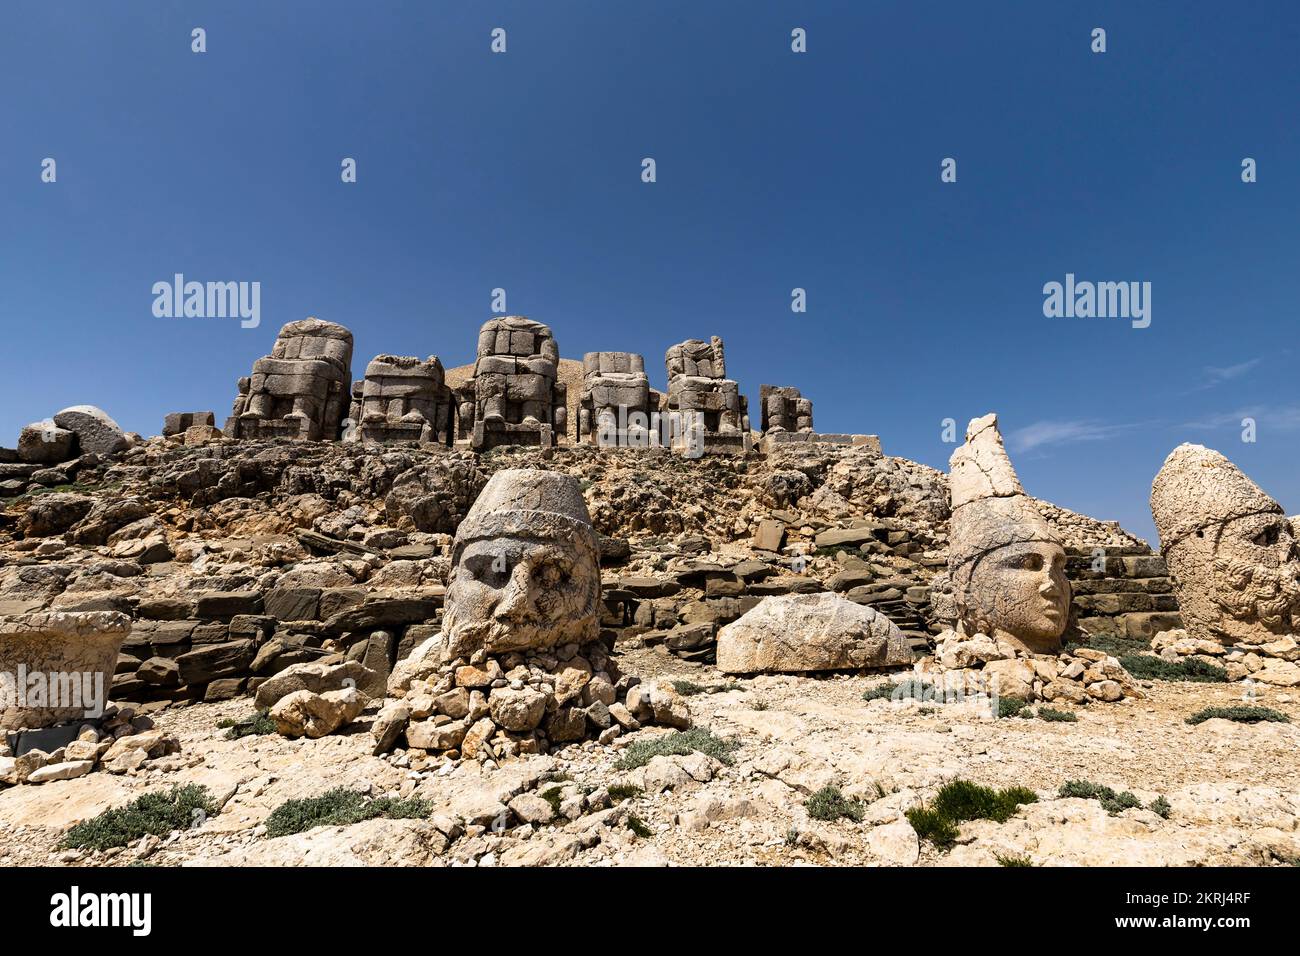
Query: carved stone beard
{"type": "Point", "coordinates": [1251, 593]}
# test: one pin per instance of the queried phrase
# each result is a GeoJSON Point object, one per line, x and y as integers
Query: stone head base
{"type": "Point", "coordinates": [57, 667]}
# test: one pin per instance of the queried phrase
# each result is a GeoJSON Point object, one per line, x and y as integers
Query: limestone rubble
{"type": "Point", "coordinates": [473, 602]}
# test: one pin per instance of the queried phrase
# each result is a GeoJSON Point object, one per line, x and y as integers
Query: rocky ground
{"type": "Point", "coordinates": [236, 560]}
{"type": "Point", "coordinates": [1233, 789]}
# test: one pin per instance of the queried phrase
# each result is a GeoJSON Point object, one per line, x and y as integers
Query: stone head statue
{"type": "Point", "coordinates": [525, 568]}
{"type": "Point", "coordinates": [1230, 549]}
{"type": "Point", "coordinates": [1006, 566]}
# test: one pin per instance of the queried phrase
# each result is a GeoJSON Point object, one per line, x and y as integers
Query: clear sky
{"type": "Point", "coordinates": [775, 170]}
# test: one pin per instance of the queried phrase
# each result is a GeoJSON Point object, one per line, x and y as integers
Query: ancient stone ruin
{"type": "Point", "coordinates": [519, 664]}
{"type": "Point", "coordinates": [514, 397]}
{"type": "Point", "coordinates": [704, 399]}
{"type": "Point", "coordinates": [1009, 592]}
{"type": "Point", "coordinates": [403, 398]}
{"type": "Point", "coordinates": [1232, 553]}
{"type": "Point", "coordinates": [57, 667]}
{"type": "Point", "coordinates": [784, 409]}
{"type": "Point", "coordinates": [513, 636]}
{"type": "Point", "coordinates": [75, 431]}
{"type": "Point", "coordinates": [301, 390]}
{"type": "Point", "coordinates": [1006, 566]}
{"type": "Point", "coordinates": [615, 408]}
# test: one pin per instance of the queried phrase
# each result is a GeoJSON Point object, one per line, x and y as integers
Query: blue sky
{"type": "Point", "coordinates": [775, 170]}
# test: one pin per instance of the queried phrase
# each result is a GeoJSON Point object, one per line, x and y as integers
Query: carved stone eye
{"type": "Point", "coordinates": [1269, 536]}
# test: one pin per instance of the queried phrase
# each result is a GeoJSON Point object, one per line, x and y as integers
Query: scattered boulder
{"type": "Point", "coordinates": [792, 633]}
{"type": "Point", "coordinates": [306, 714]}
{"type": "Point", "coordinates": [96, 432]}
{"type": "Point", "coordinates": [318, 678]}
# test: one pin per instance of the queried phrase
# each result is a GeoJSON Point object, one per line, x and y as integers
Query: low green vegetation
{"type": "Point", "coordinates": [637, 826]}
{"type": "Point", "coordinates": [255, 724]}
{"type": "Point", "coordinates": [907, 687]}
{"type": "Point", "coordinates": [1111, 801]}
{"type": "Point", "coordinates": [157, 813]}
{"type": "Point", "coordinates": [679, 743]}
{"type": "Point", "coordinates": [340, 807]}
{"type": "Point", "coordinates": [1150, 667]}
{"type": "Point", "coordinates": [962, 800]}
{"type": "Point", "coordinates": [1056, 716]}
{"type": "Point", "coordinates": [1014, 860]}
{"type": "Point", "coordinates": [1011, 707]}
{"type": "Point", "coordinates": [1113, 644]}
{"type": "Point", "coordinates": [688, 688]}
{"type": "Point", "coordinates": [829, 804]}
{"type": "Point", "coordinates": [623, 791]}
{"type": "Point", "coordinates": [553, 796]}
{"type": "Point", "coordinates": [1241, 714]}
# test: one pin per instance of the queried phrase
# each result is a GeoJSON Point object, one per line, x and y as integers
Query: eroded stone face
{"type": "Point", "coordinates": [526, 571]}
{"type": "Point", "coordinates": [1230, 549]}
{"type": "Point", "coordinates": [513, 593]}
{"type": "Point", "coordinates": [1019, 593]}
{"type": "Point", "coordinates": [1007, 568]}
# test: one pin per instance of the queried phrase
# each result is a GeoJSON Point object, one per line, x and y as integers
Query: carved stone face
{"type": "Point", "coordinates": [512, 593]}
{"type": "Point", "coordinates": [1019, 593]}
{"type": "Point", "coordinates": [1240, 579]}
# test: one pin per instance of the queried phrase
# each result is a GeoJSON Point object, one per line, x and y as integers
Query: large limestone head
{"type": "Point", "coordinates": [1006, 566]}
{"type": "Point", "coordinates": [525, 568]}
{"type": "Point", "coordinates": [1230, 548]}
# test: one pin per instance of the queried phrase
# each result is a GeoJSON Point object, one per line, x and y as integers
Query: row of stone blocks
{"type": "Point", "coordinates": [303, 390]}
{"type": "Point", "coordinates": [1122, 592]}
{"type": "Point", "coordinates": [217, 645]}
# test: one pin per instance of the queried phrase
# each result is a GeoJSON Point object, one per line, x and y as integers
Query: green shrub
{"type": "Point", "coordinates": [688, 688]}
{"type": "Point", "coordinates": [1011, 707]}
{"type": "Point", "coordinates": [1150, 667]}
{"type": "Point", "coordinates": [157, 813]}
{"type": "Point", "coordinates": [637, 826]}
{"type": "Point", "coordinates": [623, 791]}
{"type": "Point", "coordinates": [907, 687]}
{"type": "Point", "coordinates": [962, 800]}
{"type": "Point", "coordinates": [1113, 644]}
{"type": "Point", "coordinates": [1056, 716]}
{"type": "Point", "coordinates": [1111, 801]}
{"type": "Point", "coordinates": [1241, 714]}
{"type": "Point", "coordinates": [1014, 860]}
{"type": "Point", "coordinates": [679, 743]}
{"type": "Point", "coordinates": [553, 796]}
{"type": "Point", "coordinates": [933, 826]}
{"type": "Point", "coordinates": [829, 804]}
{"type": "Point", "coordinates": [255, 724]}
{"type": "Point", "coordinates": [340, 807]}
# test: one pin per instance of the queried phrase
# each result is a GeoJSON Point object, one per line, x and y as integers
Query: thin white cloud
{"type": "Point", "coordinates": [1282, 418]}
{"type": "Point", "coordinates": [1215, 375]}
{"type": "Point", "coordinates": [1049, 432]}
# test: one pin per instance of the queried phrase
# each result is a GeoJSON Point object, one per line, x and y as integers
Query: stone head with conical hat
{"type": "Point", "coordinates": [1230, 549]}
{"type": "Point", "coordinates": [1006, 565]}
{"type": "Point", "coordinates": [525, 568]}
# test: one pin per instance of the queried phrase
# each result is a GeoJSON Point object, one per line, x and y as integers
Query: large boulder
{"type": "Point", "coordinates": [54, 513]}
{"type": "Point", "coordinates": [46, 443]}
{"type": "Point", "coordinates": [792, 633]}
{"type": "Point", "coordinates": [304, 714]}
{"type": "Point", "coordinates": [96, 432]}
{"type": "Point", "coordinates": [318, 678]}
